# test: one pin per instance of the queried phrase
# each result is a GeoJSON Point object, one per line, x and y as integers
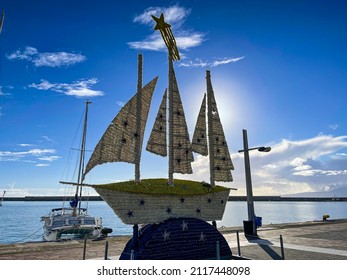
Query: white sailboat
{"type": "Point", "coordinates": [74, 221]}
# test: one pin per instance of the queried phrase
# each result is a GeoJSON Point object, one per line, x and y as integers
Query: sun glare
{"type": "Point", "coordinates": [230, 98]}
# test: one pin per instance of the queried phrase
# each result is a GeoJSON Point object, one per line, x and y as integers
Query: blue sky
{"type": "Point", "coordinates": [278, 70]}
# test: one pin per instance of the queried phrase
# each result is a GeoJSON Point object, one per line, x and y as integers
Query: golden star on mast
{"type": "Point", "coordinates": [160, 23]}
{"type": "Point", "coordinates": [169, 39]}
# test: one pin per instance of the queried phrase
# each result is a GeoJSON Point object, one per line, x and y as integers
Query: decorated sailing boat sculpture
{"type": "Point", "coordinates": [74, 221]}
{"type": "Point", "coordinates": [155, 201]}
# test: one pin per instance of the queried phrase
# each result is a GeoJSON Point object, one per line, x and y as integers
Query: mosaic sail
{"type": "Point", "coordinates": [220, 161]}
{"type": "Point", "coordinates": [157, 143]}
{"type": "Point", "coordinates": [199, 142]}
{"type": "Point", "coordinates": [119, 140]}
{"type": "Point", "coordinates": [182, 152]}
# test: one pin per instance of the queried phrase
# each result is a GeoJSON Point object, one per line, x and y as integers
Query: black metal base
{"type": "Point", "coordinates": [249, 228]}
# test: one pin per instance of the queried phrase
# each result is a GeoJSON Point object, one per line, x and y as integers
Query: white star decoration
{"type": "Point", "coordinates": [166, 235]}
{"type": "Point", "coordinates": [202, 237]}
{"type": "Point", "coordinates": [184, 226]}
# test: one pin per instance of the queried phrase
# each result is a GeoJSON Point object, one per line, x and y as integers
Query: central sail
{"type": "Point", "coordinates": [157, 143]}
{"type": "Point", "coordinates": [182, 151]}
{"type": "Point", "coordinates": [182, 155]}
{"type": "Point", "coordinates": [118, 144]}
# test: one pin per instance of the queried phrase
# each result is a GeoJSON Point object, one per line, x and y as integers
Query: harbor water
{"type": "Point", "coordinates": [20, 220]}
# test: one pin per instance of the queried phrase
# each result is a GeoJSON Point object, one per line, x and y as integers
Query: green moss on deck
{"type": "Point", "coordinates": [160, 187]}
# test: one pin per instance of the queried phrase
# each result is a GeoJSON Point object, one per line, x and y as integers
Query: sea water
{"type": "Point", "coordinates": [20, 220]}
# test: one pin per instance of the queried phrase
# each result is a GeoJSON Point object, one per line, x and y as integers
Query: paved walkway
{"type": "Point", "coordinates": [301, 241]}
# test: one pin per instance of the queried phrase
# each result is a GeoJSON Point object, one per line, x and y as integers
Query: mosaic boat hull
{"type": "Point", "coordinates": [141, 208]}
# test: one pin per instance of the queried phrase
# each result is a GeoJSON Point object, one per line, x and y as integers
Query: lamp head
{"type": "Point", "coordinates": [264, 149]}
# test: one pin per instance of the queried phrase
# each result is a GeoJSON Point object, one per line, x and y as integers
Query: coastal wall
{"type": "Point", "coordinates": [231, 198]}
{"type": "Point", "coordinates": [286, 198]}
{"type": "Point", "coordinates": [50, 198]}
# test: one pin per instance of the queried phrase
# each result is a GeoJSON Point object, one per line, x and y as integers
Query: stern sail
{"type": "Point", "coordinates": [220, 161]}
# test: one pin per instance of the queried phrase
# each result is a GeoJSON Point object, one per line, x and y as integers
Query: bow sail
{"type": "Point", "coordinates": [220, 161]}
{"type": "Point", "coordinates": [118, 144]}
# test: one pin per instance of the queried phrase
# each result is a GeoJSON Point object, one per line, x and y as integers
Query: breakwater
{"type": "Point", "coordinates": [286, 198]}
{"type": "Point", "coordinates": [50, 198]}
{"type": "Point", "coordinates": [231, 198]}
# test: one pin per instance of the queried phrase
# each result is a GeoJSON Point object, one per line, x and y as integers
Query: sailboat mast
{"type": "Point", "coordinates": [82, 156]}
{"type": "Point", "coordinates": [210, 127]}
{"type": "Point", "coordinates": [171, 148]}
{"type": "Point", "coordinates": [173, 54]}
{"type": "Point", "coordinates": [138, 120]}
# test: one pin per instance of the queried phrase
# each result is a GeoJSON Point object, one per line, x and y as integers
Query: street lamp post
{"type": "Point", "coordinates": [250, 225]}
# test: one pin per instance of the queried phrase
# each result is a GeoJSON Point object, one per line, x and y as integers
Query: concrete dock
{"type": "Point", "coordinates": [301, 241]}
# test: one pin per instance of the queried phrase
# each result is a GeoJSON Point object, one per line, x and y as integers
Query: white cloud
{"type": "Point", "coordinates": [334, 126]}
{"type": "Point", "coordinates": [199, 63]}
{"type": "Point", "coordinates": [175, 16]}
{"type": "Point", "coordinates": [49, 158]}
{"type": "Point", "coordinates": [80, 88]}
{"type": "Point", "coordinates": [25, 145]}
{"type": "Point", "coordinates": [292, 166]}
{"type": "Point", "coordinates": [26, 156]}
{"type": "Point", "coordinates": [48, 59]}
{"type": "Point", "coordinates": [316, 172]}
{"type": "Point", "coordinates": [226, 61]}
{"type": "Point", "coordinates": [120, 103]}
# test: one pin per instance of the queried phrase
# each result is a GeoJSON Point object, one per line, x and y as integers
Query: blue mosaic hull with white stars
{"type": "Point", "coordinates": [178, 239]}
